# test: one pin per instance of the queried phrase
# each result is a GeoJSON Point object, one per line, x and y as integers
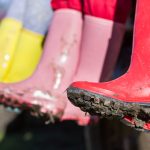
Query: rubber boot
{"type": "Point", "coordinates": [101, 34]}
{"type": "Point", "coordinates": [96, 31]}
{"type": "Point", "coordinates": [128, 96]}
{"type": "Point", "coordinates": [61, 49]}
{"type": "Point", "coordinates": [10, 29]}
{"type": "Point", "coordinates": [30, 43]}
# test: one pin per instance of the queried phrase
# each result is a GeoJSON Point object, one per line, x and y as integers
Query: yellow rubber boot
{"type": "Point", "coordinates": [10, 30]}
{"type": "Point", "coordinates": [26, 57]}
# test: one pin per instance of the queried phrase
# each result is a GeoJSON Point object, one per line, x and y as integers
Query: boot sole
{"type": "Point", "coordinates": [34, 110]}
{"type": "Point", "coordinates": [106, 107]}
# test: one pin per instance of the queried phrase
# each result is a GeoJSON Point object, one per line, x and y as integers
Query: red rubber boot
{"type": "Point", "coordinates": [127, 97]}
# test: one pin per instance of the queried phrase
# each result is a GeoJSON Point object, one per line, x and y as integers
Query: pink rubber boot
{"type": "Point", "coordinates": [102, 33]}
{"type": "Point", "coordinates": [58, 64]}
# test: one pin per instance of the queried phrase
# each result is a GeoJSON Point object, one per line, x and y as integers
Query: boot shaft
{"type": "Point", "coordinates": [141, 46]}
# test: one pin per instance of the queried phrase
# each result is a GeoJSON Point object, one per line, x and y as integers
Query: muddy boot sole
{"type": "Point", "coordinates": [34, 110]}
{"type": "Point", "coordinates": [106, 107]}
